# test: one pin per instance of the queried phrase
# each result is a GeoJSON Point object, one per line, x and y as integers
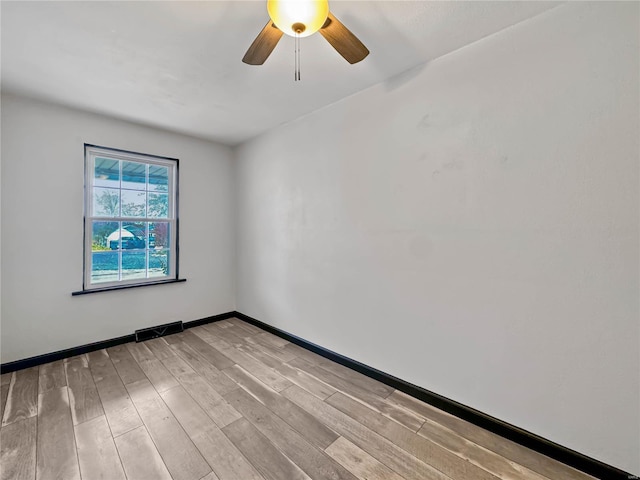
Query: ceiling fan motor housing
{"type": "Point", "coordinates": [298, 27]}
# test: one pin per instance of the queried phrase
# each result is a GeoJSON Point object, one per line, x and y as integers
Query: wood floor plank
{"type": "Point", "coordinates": [211, 354]}
{"type": "Point", "coordinates": [402, 399]}
{"type": "Point", "coordinates": [266, 347]}
{"type": "Point", "coordinates": [5, 378]}
{"type": "Point", "coordinates": [51, 376]}
{"type": "Point", "coordinates": [263, 338]}
{"type": "Point", "coordinates": [226, 334]}
{"type": "Point", "coordinates": [224, 323]}
{"type": "Point", "coordinates": [483, 458]}
{"type": "Point", "coordinates": [210, 476]}
{"type": "Point", "coordinates": [160, 348]}
{"type": "Point", "coordinates": [298, 351]}
{"type": "Point", "coordinates": [510, 450]}
{"type": "Point", "coordinates": [250, 364]}
{"type": "Point", "coordinates": [153, 368]}
{"type": "Point", "coordinates": [273, 340]}
{"type": "Point", "coordinates": [418, 446]}
{"type": "Point", "coordinates": [18, 450]}
{"type": "Point", "coordinates": [4, 392]}
{"type": "Point", "coordinates": [169, 358]}
{"type": "Point", "coordinates": [97, 452]}
{"type": "Point", "coordinates": [380, 448]}
{"type": "Point", "coordinates": [300, 378]}
{"type": "Point", "coordinates": [234, 335]}
{"type": "Point", "coordinates": [139, 456]}
{"type": "Point", "coordinates": [359, 462]}
{"type": "Point", "coordinates": [126, 366]}
{"type": "Point", "coordinates": [176, 365]}
{"type": "Point", "coordinates": [223, 457]}
{"type": "Point", "coordinates": [364, 382]}
{"type": "Point", "coordinates": [303, 422]}
{"type": "Point", "coordinates": [236, 330]}
{"type": "Point", "coordinates": [209, 399]}
{"type": "Point", "coordinates": [218, 380]}
{"type": "Point", "coordinates": [399, 414]}
{"type": "Point", "coordinates": [523, 456]}
{"type": "Point", "coordinates": [311, 460]}
{"type": "Point", "coordinates": [22, 397]}
{"type": "Point", "coordinates": [121, 414]}
{"type": "Point", "coordinates": [180, 455]}
{"type": "Point", "coordinates": [56, 446]}
{"type": "Point", "coordinates": [267, 459]}
{"type": "Point", "coordinates": [251, 329]}
{"type": "Point", "coordinates": [83, 395]}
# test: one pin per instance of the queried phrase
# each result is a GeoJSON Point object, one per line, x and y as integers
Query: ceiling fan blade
{"type": "Point", "coordinates": [345, 42]}
{"type": "Point", "coordinates": [263, 45]}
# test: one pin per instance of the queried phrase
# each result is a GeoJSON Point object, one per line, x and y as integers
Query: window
{"type": "Point", "coordinates": [131, 221]}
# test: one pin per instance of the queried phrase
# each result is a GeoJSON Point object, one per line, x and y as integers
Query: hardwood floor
{"type": "Point", "coordinates": [228, 401]}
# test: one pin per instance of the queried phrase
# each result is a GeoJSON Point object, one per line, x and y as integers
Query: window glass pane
{"type": "Point", "coordinates": [133, 235]}
{"type": "Point", "coordinates": [158, 205]}
{"type": "Point", "coordinates": [159, 235]}
{"type": "Point", "coordinates": [106, 202]}
{"type": "Point", "coordinates": [158, 263]}
{"type": "Point", "coordinates": [134, 264]}
{"type": "Point", "coordinates": [134, 175]}
{"type": "Point", "coordinates": [158, 178]}
{"type": "Point", "coordinates": [104, 267]}
{"type": "Point", "coordinates": [133, 203]}
{"type": "Point", "coordinates": [129, 237]}
{"type": "Point", "coordinates": [106, 173]}
{"type": "Point", "coordinates": [102, 234]}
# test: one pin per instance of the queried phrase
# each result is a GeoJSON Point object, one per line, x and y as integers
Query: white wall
{"type": "Point", "coordinates": [42, 208]}
{"type": "Point", "coordinates": [471, 227]}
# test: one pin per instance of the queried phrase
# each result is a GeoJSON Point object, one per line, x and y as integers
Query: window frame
{"type": "Point", "coordinates": [91, 153]}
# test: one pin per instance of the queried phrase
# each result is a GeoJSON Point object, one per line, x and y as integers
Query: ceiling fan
{"type": "Point", "coordinates": [301, 18]}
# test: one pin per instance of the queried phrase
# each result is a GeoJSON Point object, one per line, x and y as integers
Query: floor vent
{"type": "Point", "coordinates": [158, 331]}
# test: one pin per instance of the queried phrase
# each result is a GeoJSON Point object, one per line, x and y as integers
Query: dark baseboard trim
{"type": "Point", "coordinates": [211, 319]}
{"type": "Point", "coordinates": [92, 347]}
{"type": "Point", "coordinates": [518, 435]}
{"type": "Point", "coordinates": [66, 353]}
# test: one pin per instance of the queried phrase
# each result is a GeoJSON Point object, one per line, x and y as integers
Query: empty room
{"type": "Point", "coordinates": [311, 239]}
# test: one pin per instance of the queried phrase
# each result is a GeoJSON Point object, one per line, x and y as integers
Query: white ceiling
{"type": "Point", "coordinates": [177, 65]}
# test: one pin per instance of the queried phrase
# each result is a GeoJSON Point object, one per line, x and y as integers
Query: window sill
{"type": "Point", "coordinates": [124, 287]}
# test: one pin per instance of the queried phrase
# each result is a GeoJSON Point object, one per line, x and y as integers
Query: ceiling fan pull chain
{"type": "Point", "coordinates": [296, 75]}
{"type": "Point", "coordinates": [298, 56]}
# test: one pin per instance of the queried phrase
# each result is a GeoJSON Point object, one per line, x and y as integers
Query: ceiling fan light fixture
{"type": "Point", "coordinates": [299, 18]}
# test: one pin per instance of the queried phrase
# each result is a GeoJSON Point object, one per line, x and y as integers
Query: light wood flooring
{"type": "Point", "coordinates": [229, 401]}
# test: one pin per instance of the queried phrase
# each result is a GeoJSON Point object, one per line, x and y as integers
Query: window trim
{"type": "Point", "coordinates": [124, 287]}
{"type": "Point", "coordinates": [91, 152]}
